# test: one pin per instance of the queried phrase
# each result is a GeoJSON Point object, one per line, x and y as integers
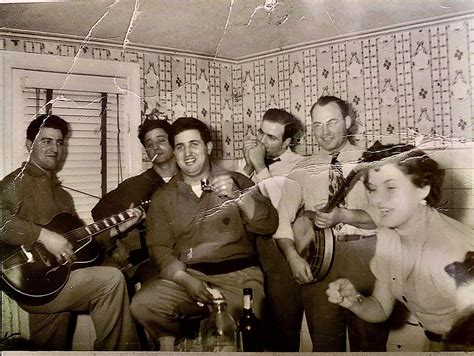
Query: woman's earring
{"type": "Point", "coordinates": [423, 202]}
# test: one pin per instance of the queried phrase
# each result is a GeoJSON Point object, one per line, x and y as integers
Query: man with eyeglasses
{"type": "Point", "coordinates": [320, 178]}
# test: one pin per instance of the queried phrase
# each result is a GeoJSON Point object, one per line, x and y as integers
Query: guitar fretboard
{"type": "Point", "coordinates": [99, 226]}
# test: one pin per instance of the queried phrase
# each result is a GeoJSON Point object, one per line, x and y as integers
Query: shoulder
{"type": "Point", "coordinates": [17, 177]}
{"type": "Point", "coordinates": [446, 230]}
{"type": "Point", "coordinates": [241, 180]}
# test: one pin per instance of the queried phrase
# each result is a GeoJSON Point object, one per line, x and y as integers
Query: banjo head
{"type": "Point", "coordinates": [316, 246]}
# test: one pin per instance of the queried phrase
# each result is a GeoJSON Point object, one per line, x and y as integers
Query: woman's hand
{"type": "Point", "coordinates": [343, 293]}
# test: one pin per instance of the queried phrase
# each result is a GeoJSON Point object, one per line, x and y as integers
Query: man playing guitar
{"type": "Point", "coordinates": [30, 197]}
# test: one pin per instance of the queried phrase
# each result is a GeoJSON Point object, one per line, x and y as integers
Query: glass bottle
{"type": "Point", "coordinates": [219, 330]}
{"type": "Point", "coordinates": [249, 326]}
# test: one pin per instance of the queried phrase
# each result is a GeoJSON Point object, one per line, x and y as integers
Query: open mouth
{"type": "Point", "coordinates": [189, 161]}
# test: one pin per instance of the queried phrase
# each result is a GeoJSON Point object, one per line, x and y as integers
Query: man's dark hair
{"type": "Point", "coordinates": [149, 125]}
{"type": "Point", "coordinates": [45, 120]}
{"type": "Point", "coordinates": [189, 123]}
{"type": "Point", "coordinates": [325, 100]}
{"type": "Point", "coordinates": [420, 168]}
{"type": "Point", "coordinates": [292, 125]}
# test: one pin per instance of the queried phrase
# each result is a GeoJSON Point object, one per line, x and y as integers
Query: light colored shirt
{"type": "Point", "coordinates": [414, 271]}
{"type": "Point", "coordinates": [285, 164]}
{"type": "Point", "coordinates": [311, 190]}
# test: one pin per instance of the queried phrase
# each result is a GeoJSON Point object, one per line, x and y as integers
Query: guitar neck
{"type": "Point", "coordinates": [340, 195]}
{"type": "Point", "coordinates": [99, 226]}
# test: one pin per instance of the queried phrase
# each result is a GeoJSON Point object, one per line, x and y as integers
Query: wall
{"type": "Point", "coordinates": [400, 83]}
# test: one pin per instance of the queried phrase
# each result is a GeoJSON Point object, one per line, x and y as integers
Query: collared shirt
{"type": "Point", "coordinates": [414, 269]}
{"type": "Point", "coordinates": [288, 160]}
{"type": "Point", "coordinates": [29, 198]}
{"type": "Point", "coordinates": [183, 229]}
{"type": "Point", "coordinates": [311, 190]}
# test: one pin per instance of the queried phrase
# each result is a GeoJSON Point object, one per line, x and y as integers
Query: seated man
{"type": "Point", "coordinates": [130, 250]}
{"type": "Point", "coordinates": [201, 238]}
{"type": "Point", "coordinates": [30, 197]}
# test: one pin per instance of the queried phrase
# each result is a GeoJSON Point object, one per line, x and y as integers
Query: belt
{"type": "Point", "coordinates": [347, 238]}
{"type": "Point", "coordinates": [211, 268]}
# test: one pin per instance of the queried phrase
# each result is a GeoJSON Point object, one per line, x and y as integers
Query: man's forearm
{"type": "Point", "coordinates": [357, 218]}
{"type": "Point", "coordinates": [287, 247]}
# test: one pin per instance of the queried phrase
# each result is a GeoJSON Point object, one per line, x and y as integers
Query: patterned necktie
{"type": "Point", "coordinates": [336, 177]}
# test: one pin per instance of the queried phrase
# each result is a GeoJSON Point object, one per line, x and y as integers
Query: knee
{"type": "Point", "coordinates": [140, 308]}
{"type": "Point", "coordinates": [116, 277]}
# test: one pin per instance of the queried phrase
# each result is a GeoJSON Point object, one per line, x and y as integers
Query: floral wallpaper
{"type": "Point", "coordinates": [400, 84]}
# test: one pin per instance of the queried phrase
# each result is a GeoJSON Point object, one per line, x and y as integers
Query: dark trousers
{"type": "Point", "coordinates": [283, 308]}
{"type": "Point", "coordinates": [286, 300]}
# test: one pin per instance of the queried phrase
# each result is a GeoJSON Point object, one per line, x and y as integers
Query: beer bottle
{"type": "Point", "coordinates": [249, 326]}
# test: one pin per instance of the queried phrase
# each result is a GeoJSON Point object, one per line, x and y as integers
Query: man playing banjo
{"type": "Point", "coordinates": [320, 178]}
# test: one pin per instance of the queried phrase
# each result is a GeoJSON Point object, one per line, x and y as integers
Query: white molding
{"type": "Point", "coordinates": [46, 36]}
{"type": "Point", "coordinates": [130, 72]}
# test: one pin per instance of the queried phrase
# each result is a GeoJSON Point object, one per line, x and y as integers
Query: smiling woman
{"type": "Point", "coordinates": [415, 243]}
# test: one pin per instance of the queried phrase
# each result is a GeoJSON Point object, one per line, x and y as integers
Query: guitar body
{"type": "Point", "coordinates": [33, 276]}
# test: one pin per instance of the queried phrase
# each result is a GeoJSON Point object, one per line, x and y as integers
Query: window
{"type": "Point", "coordinates": [103, 141]}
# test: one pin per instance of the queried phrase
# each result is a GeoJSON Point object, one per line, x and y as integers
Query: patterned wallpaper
{"type": "Point", "coordinates": [400, 83]}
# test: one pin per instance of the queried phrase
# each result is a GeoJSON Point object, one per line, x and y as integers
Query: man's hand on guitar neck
{"type": "Point", "coordinates": [138, 215]}
{"type": "Point", "coordinates": [57, 245]}
{"type": "Point", "coordinates": [327, 220]}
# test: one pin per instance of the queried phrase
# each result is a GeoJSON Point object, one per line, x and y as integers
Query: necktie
{"type": "Point", "coordinates": [269, 161]}
{"type": "Point", "coordinates": [336, 177]}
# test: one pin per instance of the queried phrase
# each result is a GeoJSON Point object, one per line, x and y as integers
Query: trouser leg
{"type": "Point", "coordinates": [326, 321]}
{"type": "Point", "coordinates": [155, 308]}
{"type": "Point", "coordinates": [100, 291]}
{"type": "Point", "coordinates": [50, 331]}
{"type": "Point", "coordinates": [355, 266]}
{"type": "Point", "coordinates": [283, 302]}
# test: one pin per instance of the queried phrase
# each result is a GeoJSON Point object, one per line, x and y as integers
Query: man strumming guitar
{"type": "Point", "coordinates": [30, 197]}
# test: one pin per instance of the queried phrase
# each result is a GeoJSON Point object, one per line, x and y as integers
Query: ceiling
{"type": "Point", "coordinates": [228, 29]}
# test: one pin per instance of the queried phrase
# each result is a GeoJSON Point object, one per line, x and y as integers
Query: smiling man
{"type": "Point", "coordinates": [200, 237]}
{"type": "Point", "coordinates": [320, 178]}
{"type": "Point", "coordinates": [30, 197]}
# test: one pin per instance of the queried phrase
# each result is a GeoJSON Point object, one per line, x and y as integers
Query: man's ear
{"type": "Point", "coordinates": [28, 145]}
{"type": "Point", "coordinates": [348, 121]}
{"type": "Point", "coordinates": [209, 147]}
{"type": "Point", "coordinates": [286, 143]}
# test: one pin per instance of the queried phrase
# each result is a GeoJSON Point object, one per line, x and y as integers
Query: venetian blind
{"type": "Point", "coordinates": [94, 161]}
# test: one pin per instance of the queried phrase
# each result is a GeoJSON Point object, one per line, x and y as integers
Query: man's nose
{"type": "Point", "coordinates": [325, 129]}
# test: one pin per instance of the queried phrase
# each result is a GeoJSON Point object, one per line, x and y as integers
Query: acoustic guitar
{"type": "Point", "coordinates": [316, 245]}
{"type": "Point", "coordinates": [33, 276]}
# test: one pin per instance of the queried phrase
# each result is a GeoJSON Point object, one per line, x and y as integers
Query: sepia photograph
{"type": "Point", "coordinates": [256, 176]}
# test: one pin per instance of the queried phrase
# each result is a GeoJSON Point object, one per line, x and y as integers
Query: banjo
{"type": "Point", "coordinates": [314, 244]}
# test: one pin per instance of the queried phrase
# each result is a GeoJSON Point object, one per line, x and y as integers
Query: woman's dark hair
{"type": "Point", "coordinates": [416, 164]}
{"type": "Point", "coordinates": [45, 120]}
{"type": "Point", "coordinates": [149, 125]}
{"type": "Point", "coordinates": [189, 123]}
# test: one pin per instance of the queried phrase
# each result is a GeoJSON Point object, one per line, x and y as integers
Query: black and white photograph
{"type": "Point", "coordinates": [256, 176]}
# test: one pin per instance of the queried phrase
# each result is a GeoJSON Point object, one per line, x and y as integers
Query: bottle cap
{"type": "Point", "coordinates": [248, 291]}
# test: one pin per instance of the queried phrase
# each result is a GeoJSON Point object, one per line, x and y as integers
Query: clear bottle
{"type": "Point", "coordinates": [250, 326]}
{"type": "Point", "coordinates": [219, 330]}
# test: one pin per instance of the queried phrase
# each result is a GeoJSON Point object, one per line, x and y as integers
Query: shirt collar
{"type": "Point", "coordinates": [35, 171]}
